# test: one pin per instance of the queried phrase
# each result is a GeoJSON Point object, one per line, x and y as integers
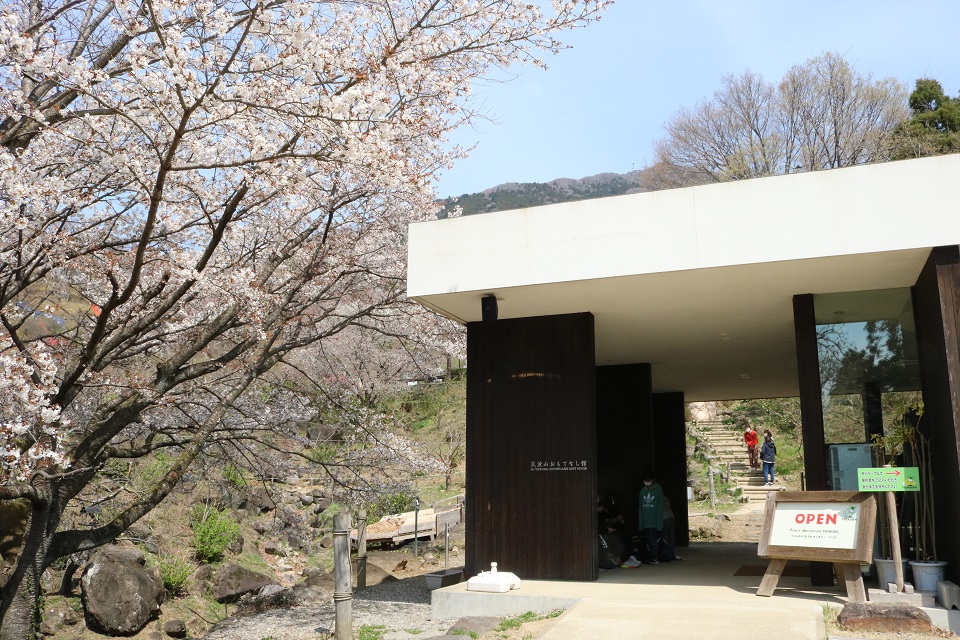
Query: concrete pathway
{"type": "Point", "coordinates": [699, 597]}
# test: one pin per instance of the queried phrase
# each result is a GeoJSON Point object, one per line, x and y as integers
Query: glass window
{"type": "Point", "coordinates": [868, 361]}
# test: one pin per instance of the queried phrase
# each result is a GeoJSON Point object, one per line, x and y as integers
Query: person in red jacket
{"type": "Point", "coordinates": [751, 440]}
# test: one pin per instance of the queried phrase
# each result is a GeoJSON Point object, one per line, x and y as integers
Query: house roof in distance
{"type": "Point", "coordinates": [698, 281]}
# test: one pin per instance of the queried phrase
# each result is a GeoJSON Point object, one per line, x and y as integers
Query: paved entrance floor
{"type": "Point", "coordinates": [700, 597]}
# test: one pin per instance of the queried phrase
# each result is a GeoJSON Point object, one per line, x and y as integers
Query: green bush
{"type": "Point", "coordinates": [235, 477]}
{"type": "Point", "coordinates": [213, 532]}
{"type": "Point", "coordinates": [174, 573]}
{"type": "Point", "coordinates": [323, 453]}
{"type": "Point", "coordinates": [390, 504]}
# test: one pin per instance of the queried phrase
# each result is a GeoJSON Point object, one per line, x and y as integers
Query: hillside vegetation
{"type": "Point", "coordinates": [513, 195]}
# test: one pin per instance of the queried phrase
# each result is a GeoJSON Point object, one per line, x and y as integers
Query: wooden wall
{"type": "Point", "coordinates": [936, 301]}
{"type": "Point", "coordinates": [670, 462]}
{"type": "Point", "coordinates": [811, 402]}
{"type": "Point", "coordinates": [811, 413]}
{"type": "Point", "coordinates": [624, 435]}
{"type": "Point", "coordinates": [531, 454]}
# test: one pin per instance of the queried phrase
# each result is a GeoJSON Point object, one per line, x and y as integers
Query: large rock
{"type": "Point", "coordinates": [260, 500]}
{"type": "Point", "coordinates": [884, 617]}
{"type": "Point", "coordinates": [175, 628]}
{"type": "Point", "coordinates": [375, 574]}
{"type": "Point", "coordinates": [271, 597]}
{"type": "Point", "coordinates": [119, 595]}
{"type": "Point", "coordinates": [473, 626]}
{"type": "Point", "coordinates": [231, 581]}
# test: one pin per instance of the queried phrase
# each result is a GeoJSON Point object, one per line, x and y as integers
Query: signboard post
{"type": "Point", "coordinates": [818, 526]}
{"type": "Point", "coordinates": [888, 480]}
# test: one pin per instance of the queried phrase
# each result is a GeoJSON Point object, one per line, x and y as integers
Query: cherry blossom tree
{"type": "Point", "coordinates": [198, 191]}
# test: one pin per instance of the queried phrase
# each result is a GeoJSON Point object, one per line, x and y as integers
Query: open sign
{"type": "Point", "coordinates": [816, 518]}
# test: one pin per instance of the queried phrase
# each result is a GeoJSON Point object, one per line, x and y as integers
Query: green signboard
{"type": "Point", "coordinates": [888, 479]}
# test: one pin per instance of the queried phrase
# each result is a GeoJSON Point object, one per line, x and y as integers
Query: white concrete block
{"type": "Point", "coordinates": [948, 594]}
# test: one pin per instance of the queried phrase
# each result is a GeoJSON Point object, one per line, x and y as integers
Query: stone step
{"type": "Point", "coordinates": [760, 487]}
{"type": "Point", "coordinates": [755, 494]}
{"type": "Point", "coordinates": [733, 449]}
{"type": "Point", "coordinates": [745, 483]}
{"type": "Point", "coordinates": [737, 459]}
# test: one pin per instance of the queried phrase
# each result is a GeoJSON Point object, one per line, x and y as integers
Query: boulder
{"type": "Point", "coordinates": [138, 532]}
{"type": "Point", "coordinates": [273, 548]}
{"type": "Point", "coordinates": [124, 554]}
{"type": "Point", "coordinates": [236, 545]}
{"type": "Point", "coordinates": [296, 542]}
{"type": "Point", "coordinates": [289, 517]}
{"type": "Point", "coordinates": [231, 581]}
{"type": "Point", "coordinates": [375, 574]}
{"type": "Point", "coordinates": [321, 504]}
{"type": "Point", "coordinates": [203, 574]}
{"type": "Point", "coordinates": [259, 499]}
{"type": "Point", "coordinates": [272, 596]}
{"type": "Point", "coordinates": [317, 577]}
{"type": "Point", "coordinates": [473, 626]}
{"type": "Point", "coordinates": [61, 616]}
{"type": "Point", "coordinates": [119, 596]}
{"type": "Point", "coordinates": [175, 628]}
{"type": "Point", "coordinates": [871, 616]}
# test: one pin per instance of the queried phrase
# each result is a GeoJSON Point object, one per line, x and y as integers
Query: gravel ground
{"type": "Point", "coordinates": [400, 606]}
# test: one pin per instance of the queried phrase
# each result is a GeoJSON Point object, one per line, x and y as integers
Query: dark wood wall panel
{"type": "Point", "coordinates": [531, 388]}
{"type": "Point", "coordinates": [936, 300]}
{"type": "Point", "coordinates": [811, 412]}
{"type": "Point", "coordinates": [625, 443]}
{"type": "Point", "coordinates": [670, 460]}
{"type": "Point", "coordinates": [811, 403]}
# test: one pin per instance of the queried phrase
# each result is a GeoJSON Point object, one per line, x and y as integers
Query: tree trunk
{"type": "Point", "coordinates": [20, 596]}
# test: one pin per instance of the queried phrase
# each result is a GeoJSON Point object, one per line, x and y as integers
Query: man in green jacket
{"type": "Point", "coordinates": [651, 515]}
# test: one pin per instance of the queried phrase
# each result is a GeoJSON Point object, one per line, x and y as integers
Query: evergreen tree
{"type": "Point", "coordinates": [934, 127]}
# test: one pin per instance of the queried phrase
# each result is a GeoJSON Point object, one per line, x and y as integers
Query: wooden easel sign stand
{"type": "Point", "coordinates": [818, 526]}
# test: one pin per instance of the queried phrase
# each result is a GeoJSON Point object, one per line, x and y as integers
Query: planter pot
{"type": "Point", "coordinates": [885, 572]}
{"type": "Point", "coordinates": [926, 575]}
{"type": "Point", "coordinates": [443, 578]}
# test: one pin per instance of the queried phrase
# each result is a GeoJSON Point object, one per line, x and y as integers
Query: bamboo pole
{"type": "Point", "coordinates": [894, 542]}
{"type": "Point", "coordinates": [342, 594]}
{"type": "Point", "coordinates": [713, 495]}
{"type": "Point", "coordinates": [361, 549]}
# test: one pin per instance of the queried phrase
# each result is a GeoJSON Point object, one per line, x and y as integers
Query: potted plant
{"type": "Point", "coordinates": [906, 438]}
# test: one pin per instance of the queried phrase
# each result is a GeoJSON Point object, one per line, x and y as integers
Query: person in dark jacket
{"type": "Point", "coordinates": [768, 454]}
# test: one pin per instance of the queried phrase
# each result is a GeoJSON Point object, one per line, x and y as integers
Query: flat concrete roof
{"type": "Point", "coordinates": [698, 282]}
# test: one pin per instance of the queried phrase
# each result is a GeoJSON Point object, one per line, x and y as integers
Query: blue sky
{"type": "Point", "coordinates": [601, 105]}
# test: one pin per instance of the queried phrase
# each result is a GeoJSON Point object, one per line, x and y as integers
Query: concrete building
{"type": "Point", "coordinates": [611, 314]}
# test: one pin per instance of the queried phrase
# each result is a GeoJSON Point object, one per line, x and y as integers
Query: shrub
{"type": "Point", "coordinates": [389, 504]}
{"type": "Point", "coordinates": [235, 477]}
{"type": "Point", "coordinates": [174, 573]}
{"type": "Point", "coordinates": [213, 532]}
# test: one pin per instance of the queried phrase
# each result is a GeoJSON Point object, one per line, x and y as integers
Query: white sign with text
{"type": "Point", "coordinates": [815, 524]}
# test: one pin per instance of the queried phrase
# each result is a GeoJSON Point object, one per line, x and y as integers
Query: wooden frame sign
{"type": "Point", "coordinates": [818, 526]}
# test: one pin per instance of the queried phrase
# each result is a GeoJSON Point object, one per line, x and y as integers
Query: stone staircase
{"type": "Point", "coordinates": [726, 450]}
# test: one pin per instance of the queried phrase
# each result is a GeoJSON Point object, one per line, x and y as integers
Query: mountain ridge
{"type": "Point", "coordinates": [520, 195]}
